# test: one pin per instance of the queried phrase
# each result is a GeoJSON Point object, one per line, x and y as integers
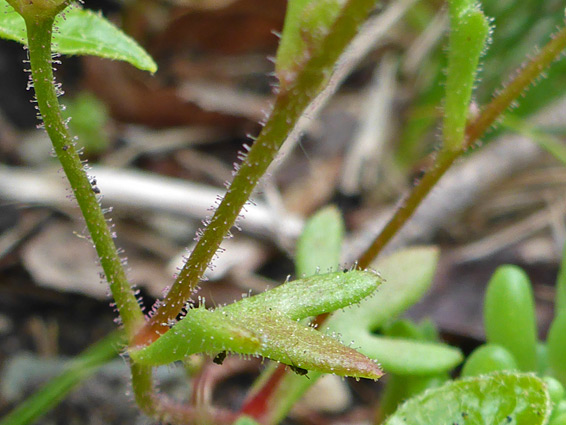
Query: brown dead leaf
{"type": "Point", "coordinates": [59, 259]}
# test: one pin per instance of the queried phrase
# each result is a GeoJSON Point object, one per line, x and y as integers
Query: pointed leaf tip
{"type": "Point", "coordinates": [267, 325]}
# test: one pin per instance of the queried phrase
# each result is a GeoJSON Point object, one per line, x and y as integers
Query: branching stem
{"type": "Point", "coordinates": [474, 130]}
{"type": "Point", "coordinates": [288, 108]}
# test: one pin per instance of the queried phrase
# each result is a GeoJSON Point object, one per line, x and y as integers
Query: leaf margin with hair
{"type": "Point", "coordinates": [81, 32]}
{"type": "Point", "coordinates": [270, 322]}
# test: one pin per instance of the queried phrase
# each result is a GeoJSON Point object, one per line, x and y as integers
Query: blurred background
{"type": "Point", "coordinates": [162, 148]}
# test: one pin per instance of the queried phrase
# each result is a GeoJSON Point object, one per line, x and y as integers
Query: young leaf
{"type": "Point", "coordinates": [560, 303]}
{"type": "Point", "coordinates": [320, 244]}
{"type": "Point", "coordinates": [489, 358]}
{"type": "Point", "coordinates": [469, 29]}
{"type": "Point", "coordinates": [556, 343]}
{"type": "Point", "coordinates": [509, 315]}
{"type": "Point", "coordinates": [81, 32]}
{"type": "Point", "coordinates": [306, 24]}
{"type": "Point", "coordinates": [312, 295]}
{"type": "Point", "coordinates": [407, 276]}
{"type": "Point", "coordinates": [267, 325]}
{"type": "Point", "coordinates": [407, 356]}
{"type": "Point", "coordinates": [499, 398]}
{"type": "Point", "coordinates": [245, 420]}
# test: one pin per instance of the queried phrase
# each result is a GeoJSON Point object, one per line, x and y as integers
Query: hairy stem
{"type": "Point", "coordinates": [288, 108]}
{"type": "Point", "coordinates": [474, 130]}
{"type": "Point", "coordinates": [39, 30]}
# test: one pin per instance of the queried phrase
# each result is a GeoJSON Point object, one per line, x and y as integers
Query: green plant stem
{"type": "Point", "coordinates": [39, 30]}
{"type": "Point", "coordinates": [55, 390]}
{"type": "Point", "coordinates": [474, 130]}
{"type": "Point", "coordinates": [288, 108]}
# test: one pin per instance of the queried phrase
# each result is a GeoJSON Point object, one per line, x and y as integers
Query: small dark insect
{"type": "Point", "coordinates": [219, 359]}
{"type": "Point", "coordinates": [65, 147]}
{"type": "Point", "coordinates": [299, 370]}
{"type": "Point", "coordinates": [509, 419]}
{"type": "Point", "coordinates": [96, 190]}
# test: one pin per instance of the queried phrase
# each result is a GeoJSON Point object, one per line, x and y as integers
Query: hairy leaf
{"type": "Point", "coordinates": [407, 275]}
{"type": "Point", "coordinates": [267, 325]}
{"type": "Point", "coordinates": [81, 32]}
{"type": "Point", "coordinates": [498, 399]}
{"type": "Point", "coordinates": [468, 34]}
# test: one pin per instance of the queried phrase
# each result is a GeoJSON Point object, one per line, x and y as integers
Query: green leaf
{"type": "Point", "coordinates": [560, 303]}
{"type": "Point", "coordinates": [307, 22]}
{"type": "Point", "coordinates": [245, 420]}
{"type": "Point", "coordinates": [509, 315]}
{"type": "Point", "coordinates": [469, 30]}
{"type": "Point", "coordinates": [407, 275]}
{"type": "Point", "coordinates": [489, 358]}
{"type": "Point", "coordinates": [312, 295]}
{"type": "Point", "coordinates": [496, 399]}
{"type": "Point", "coordinates": [555, 389]}
{"type": "Point", "coordinates": [556, 344]}
{"type": "Point", "coordinates": [267, 325]}
{"type": "Point", "coordinates": [81, 32]}
{"type": "Point", "coordinates": [407, 356]}
{"type": "Point", "coordinates": [200, 331]}
{"type": "Point", "coordinates": [320, 244]}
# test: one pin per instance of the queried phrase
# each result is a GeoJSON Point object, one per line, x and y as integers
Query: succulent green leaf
{"type": "Point", "coordinates": [558, 420]}
{"type": "Point", "coordinates": [245, 420]}
{"type": "Point", "coordinates": [542, 359]}
{"type": "Point", "coordinates": [407, 356]}
{"type": "Point", "coordinates": [556, 344]}
{"type": "Point", "coordinates": [559, 411]}
{"type": "Point", "coordinates": [400, 388]}
{"type": "Point", "coordinates": [509, 315]}
{"type": "Point", "coordinates": [555, 389]}
{"type": "Point", "coordinates": [81, 32]}
{"type": "Point", "coordinates": [267, 325]}
{"type": "Point", "coordinates": [468, 35]}
{"type": "Point", "coordinates": [306, 23]}
{"type": "Point", "coordinates": [320, 244]}
{"type": "Point", "coordinates": [498, 399]}
{"type": "Point", "coordinates": [489, 358]}
{"type": "Point", "coordinates": [560, 304]}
